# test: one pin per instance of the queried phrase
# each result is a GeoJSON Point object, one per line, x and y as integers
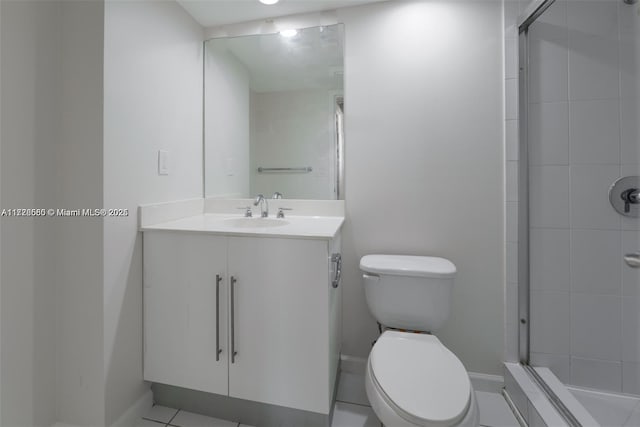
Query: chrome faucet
{"type": "Point", "coordinates": [277, 195]}
{"type": "Point", "coordinates": [264, 205]}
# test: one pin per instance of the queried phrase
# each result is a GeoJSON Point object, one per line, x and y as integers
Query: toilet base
{"type": "Point", "coordinates": [390, 418]}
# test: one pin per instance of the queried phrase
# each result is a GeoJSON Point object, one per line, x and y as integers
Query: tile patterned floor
{"type": "Point", "coordinates": [351, 410]}
{"type": "Point", "coordinates": [163, 416]}
{"type": "Point", "coordinates": [494, 410]}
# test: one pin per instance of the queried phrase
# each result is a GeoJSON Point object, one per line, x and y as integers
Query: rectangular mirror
{"type": "Point", "coordinates": [273, 108]}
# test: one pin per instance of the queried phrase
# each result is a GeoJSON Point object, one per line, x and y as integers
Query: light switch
{"type": "Point", "coordinates": [163, 162]}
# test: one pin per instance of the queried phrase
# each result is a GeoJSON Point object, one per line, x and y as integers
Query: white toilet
{"type": "Point", "coordinates": [412, 379]}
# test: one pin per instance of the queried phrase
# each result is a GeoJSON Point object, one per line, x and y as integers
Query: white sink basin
{"type": "Point", "coordinates": [255, 222]}
{"type": "Point", "coordinates": [313, 227]}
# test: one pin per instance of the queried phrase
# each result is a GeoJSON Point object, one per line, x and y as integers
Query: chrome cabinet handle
{"type": "Point", "coordinates": [633, 260]}
{"type": "Point", "coordinates": [337, 258]}
{"type": "Point", "coordinates": [234, 353]}
{"type": "Point", "coordinates": [218, 349]}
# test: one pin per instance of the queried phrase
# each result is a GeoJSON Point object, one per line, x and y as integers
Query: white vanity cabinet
{"type": "Point", "coordinates": [183, 310]}
{"type": "Point", "coordinates": [281, 321]}
{"type": "Point", "coordinates": [277, 321]}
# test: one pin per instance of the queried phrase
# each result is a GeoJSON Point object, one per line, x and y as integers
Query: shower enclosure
{"type": "Point", "coordinates": [578, 229]}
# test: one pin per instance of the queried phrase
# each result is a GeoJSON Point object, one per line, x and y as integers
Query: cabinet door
{"type": "Point", "coordinates": [280, 322]}
{"type": "Point", "coordinates": [181, 313]}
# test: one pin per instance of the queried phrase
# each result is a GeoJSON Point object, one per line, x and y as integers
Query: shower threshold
{"type": "Point", "coordinates": [535, 406]}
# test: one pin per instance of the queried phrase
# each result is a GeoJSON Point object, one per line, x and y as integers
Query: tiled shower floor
{"type": "Point", "coordinates": [351, 410]}
{"type": "Point", "coordinates": [609, 409]}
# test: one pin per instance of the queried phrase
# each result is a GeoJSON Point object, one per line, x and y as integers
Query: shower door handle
{"type": "Point", "coordinates": [633, 260]}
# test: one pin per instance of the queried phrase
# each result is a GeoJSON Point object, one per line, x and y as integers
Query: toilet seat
{"type": "Point", "coordinates": [422, 380]}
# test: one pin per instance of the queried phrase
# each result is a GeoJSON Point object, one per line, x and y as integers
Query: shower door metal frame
{"type": "Point", "coordinates": [523, 182]}
{"type": "Point", "coordinates": [524, 305]}
{"type": "Point", "coordinates": [523, 197]}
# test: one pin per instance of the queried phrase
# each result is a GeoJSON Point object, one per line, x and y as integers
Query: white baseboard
{"type": "Point", "coordinates": [486, 382]}
{"type": "Point", "coordinates": [352, 364]}
{"type": "Point", "coordinates": [131, 416]}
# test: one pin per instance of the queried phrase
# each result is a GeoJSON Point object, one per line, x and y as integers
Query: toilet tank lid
{"type": "Point", "coordinates": [407, 265]}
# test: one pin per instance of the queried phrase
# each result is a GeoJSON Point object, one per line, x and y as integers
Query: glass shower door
{"type": "Point", "coordinates": [582, 131]}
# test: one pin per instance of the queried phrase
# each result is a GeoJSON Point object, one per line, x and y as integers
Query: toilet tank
{"type": "Point", "coordinates": [408, 292]}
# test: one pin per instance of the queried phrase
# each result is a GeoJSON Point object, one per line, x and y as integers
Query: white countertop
{"type": "Point", "coordinates": [307, 227]}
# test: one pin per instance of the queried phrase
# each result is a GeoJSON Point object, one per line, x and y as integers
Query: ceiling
{"type": "Point", "coordinates": [211, 13]}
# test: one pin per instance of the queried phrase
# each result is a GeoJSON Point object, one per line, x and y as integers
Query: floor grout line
{"type": "Point", "coordinates": [151, 419]}
{"type": "Point", "coordinates": [353, 403]}
{"type": "Point", "coordinates": [174, 415]}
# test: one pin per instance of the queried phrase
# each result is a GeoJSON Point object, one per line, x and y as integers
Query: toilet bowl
{"type": "Point", "coordinates": [414, 380]}
{"type": "Point", "coordinates": [411, 378]}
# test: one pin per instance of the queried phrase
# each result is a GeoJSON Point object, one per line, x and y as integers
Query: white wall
{"type": "Point", "coordinates": [51, 267]}
{"type": "Point", "coordinates": [71, 303]}
{"type": "Point", "coordinates": [226, 123]}
{"type": "Point", "coordinates": [79, 242]}
{"type": "Point", "coordinates": [30, 78]}
{"type": "Point", "coordinates": [424, 159]}
{"type": "Point", "coordinates": [153, 101]}
{"type": "Point", "coordinates": [1, 135]}
{"type": "Point", "coordinates": [293, 129]}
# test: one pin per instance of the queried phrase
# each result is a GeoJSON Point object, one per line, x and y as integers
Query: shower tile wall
{"type": "Point", "coordinates": [583, 135]}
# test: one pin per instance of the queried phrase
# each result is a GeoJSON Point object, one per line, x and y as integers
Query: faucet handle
{"type": "Point", "coordinates": [281, 212]}
{"type": "Point", "coordinates": [277, 195]}
{"type": "Point", "coordinates": [247, 211]}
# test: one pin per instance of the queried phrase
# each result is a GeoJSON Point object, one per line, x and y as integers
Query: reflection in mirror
{"type": "Point", "coordinates": [274, 115]}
